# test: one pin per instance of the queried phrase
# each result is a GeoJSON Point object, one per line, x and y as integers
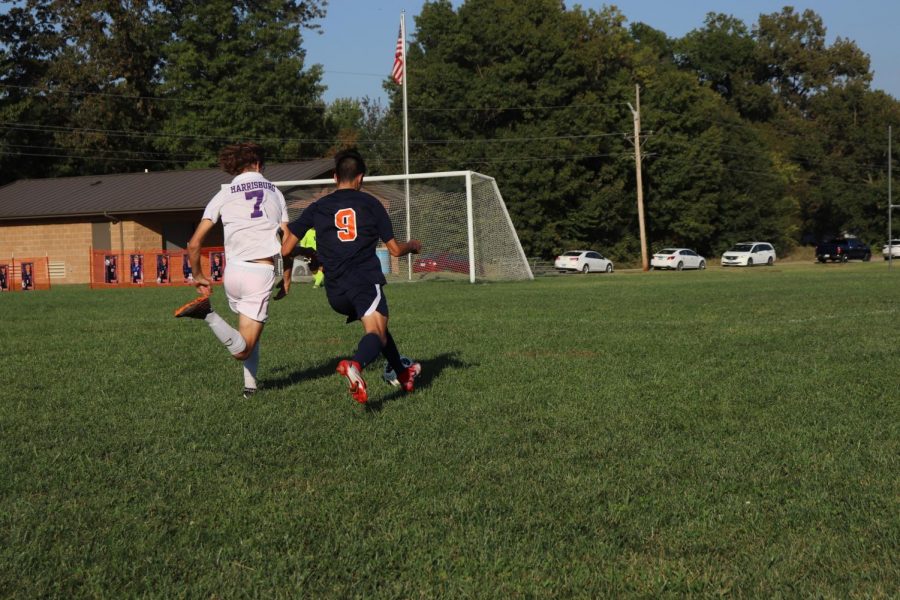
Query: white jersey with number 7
{"type": "Point", "coordinates": [252, 210]}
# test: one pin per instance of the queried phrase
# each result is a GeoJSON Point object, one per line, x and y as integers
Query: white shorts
{"type": "Point", "coordinates": [248, 286]}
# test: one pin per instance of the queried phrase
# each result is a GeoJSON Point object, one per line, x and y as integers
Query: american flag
{"type": "Point", "coordinates": [397, 71]}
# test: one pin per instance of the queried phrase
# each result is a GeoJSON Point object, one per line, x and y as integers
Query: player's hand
{"type": "Point", "coordinates": [202, 285]}
{"type": "Point", "coordinates": [414, 246]}
{"type": "Point", "coordinates": [281, 290]}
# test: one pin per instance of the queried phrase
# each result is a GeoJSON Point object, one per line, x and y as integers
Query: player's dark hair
{"type": "Point", "coordinates": [348, 164]}
{"type": "Point", "coordinates": [236, 158]}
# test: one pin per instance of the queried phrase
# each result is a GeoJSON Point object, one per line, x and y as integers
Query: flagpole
{"type": "Point", "coordinates": [405, 136]}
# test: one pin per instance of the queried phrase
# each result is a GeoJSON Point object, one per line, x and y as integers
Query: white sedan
{"type": "Point", "coordinates": [891, 249]}
{"type": "Point", "coordinates": [586, 261]}
{"type": "Point", "coordinates": [678, 259]}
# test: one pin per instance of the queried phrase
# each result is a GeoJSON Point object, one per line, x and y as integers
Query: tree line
{"type": "Point", "coordinates": [761, 131]}
{"type": "Point", "coordinates": [100, 86]}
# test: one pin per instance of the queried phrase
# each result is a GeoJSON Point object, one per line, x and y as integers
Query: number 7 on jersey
{"type": "Point", "coordinates": [256, 196]}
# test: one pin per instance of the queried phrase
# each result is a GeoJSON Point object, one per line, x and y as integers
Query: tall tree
{"type": "Point", "coordinates": [798, 62]}
{"type": "Point", "coordinates": [361, 122]}
{"type": "Point", "coordinates": [235, 70]}
{"type": "Point", "coordinates": [723, 54]}
{"type": "Point", "coordinates": [824, 123]}
{"type": "Point", "coordinates": [525, 85]}
{"type": "Point", "coordinates": [710, 178]}
{"type": "Point", "coordinates": [87, 70]}
{"type": "Point", "coordinates": [109, 70]}
{"type": "Point", "coordinates": [30, 44]}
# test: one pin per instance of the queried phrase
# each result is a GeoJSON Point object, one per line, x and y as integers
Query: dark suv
{"type": "Point", "coordinates": [842, 250]}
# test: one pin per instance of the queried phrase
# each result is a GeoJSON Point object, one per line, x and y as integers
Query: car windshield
{"type": "Point", "coordinates": [667, 251]}
{"type": "Point", "coordinates": [741, 248]}
{"type": "Point", "coordinates": [573, 253]}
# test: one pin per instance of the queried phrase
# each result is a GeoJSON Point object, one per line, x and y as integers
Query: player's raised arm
{"type": "Point", "coordinates": [398, 249]}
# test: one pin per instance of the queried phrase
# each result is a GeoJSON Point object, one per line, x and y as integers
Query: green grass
{"type": "Point", "coordinates": [731, 432]}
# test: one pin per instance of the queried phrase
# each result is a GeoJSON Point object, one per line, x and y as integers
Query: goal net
{"type": "Point", "coordinates": [459, 217]}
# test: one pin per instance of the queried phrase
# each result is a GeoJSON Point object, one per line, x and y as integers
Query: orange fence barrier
{"type": "Point", "coordinates": [24, 274]}
{"type": "Point", "coordinates": [139, 268]}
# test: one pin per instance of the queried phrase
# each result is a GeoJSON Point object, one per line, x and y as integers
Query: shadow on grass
{"type": "Point", "coordinates": [431, 370]}
{"type": "Point", "coordinates": [323, 369]}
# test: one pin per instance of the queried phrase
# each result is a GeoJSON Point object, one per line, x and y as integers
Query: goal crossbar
{"type": "Point", "coordinates": [375, 178]}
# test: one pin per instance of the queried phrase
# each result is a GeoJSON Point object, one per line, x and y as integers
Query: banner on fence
{"type": "Point", "coordinates": [140, 268]}
{"type": "Point", "coordinates": [24, 274]}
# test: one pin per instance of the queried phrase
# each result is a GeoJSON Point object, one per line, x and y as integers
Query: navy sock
{"type": "Point", "coordinates": [393, 355]}
{"type": "Point", "coordinates": [368, 350]}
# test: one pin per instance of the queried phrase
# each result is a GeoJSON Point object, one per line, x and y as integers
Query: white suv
{"type": "Point", "coordinates": [891, 248]}
{"type": "Point", "coordinates": [748, 254]}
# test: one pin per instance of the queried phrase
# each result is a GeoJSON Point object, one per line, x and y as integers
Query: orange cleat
{"type": "Point", "coordinates": [197, 308]}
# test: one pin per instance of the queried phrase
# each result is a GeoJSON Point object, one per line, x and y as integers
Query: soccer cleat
{"type": "Point", "coordinates": [407, 377]}
{"type": "Point", "coordinates": [248, 393]}
{"type": "Point", "coordinates": [351, 370]}
{"type": "Point", "coordinates": [197, 308]}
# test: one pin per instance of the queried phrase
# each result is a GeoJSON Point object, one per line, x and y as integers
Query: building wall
{"type": "Point", "coordinates": [66, 241]}
{"type": "Point", "coordinates": [69, 241]}
{"type": "Point", "coordinates": [144, 233]}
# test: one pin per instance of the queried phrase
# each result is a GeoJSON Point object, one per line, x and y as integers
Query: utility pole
{"type": "Point", "coordinates": [636, 112]}
{"type": "Point", "coordinates": [890, 207]}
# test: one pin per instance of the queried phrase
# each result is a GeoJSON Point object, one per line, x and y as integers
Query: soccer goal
{"type": "Point", "coordinates": [459, 216]}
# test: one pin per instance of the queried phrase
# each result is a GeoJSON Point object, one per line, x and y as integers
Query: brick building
{"type": "Point", "coordinates": [64, 218]}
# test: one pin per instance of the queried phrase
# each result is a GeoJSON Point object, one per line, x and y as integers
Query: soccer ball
{"type": "Point", "coordinates": [388, 374]}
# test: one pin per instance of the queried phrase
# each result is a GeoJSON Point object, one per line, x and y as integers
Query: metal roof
{"type": "Point", "coordinates": [129, 193]}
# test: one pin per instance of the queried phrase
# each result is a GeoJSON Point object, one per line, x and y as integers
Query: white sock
{"type": "Point", "coordinates": [228, 335]}
{"type": "Point", "coordinates": [251, 366]}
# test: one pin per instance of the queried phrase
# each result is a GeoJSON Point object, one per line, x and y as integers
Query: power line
{"type": "Point", "coordinates": [132, 97]}
{"type": "Point", "coordinates": [809, 177]}
{"type": "Point", "coordinates": [187, 158]}
{"type": "Point", "coordinates": [93, 157]}
{"type": "Point", "coordinates": [139, 134]}
{"type": "Point", "coordinates": [725, 148]}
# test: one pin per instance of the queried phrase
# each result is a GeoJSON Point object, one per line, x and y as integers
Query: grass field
{"type": "Point", "coordinates": [729, 432]}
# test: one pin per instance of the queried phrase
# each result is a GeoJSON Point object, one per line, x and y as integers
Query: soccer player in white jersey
{"type": "Point", "coordinates": [252, 211]}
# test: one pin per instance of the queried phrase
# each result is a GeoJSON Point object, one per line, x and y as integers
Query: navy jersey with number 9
{"type": "Point", "coordinates": [348, 225]}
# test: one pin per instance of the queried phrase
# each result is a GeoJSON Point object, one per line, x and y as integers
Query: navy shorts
{"type": "Point", "coordinates": [357, 302]}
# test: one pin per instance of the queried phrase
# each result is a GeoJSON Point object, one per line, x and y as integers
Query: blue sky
{"type": "Point", "coordinates": [356, 46]}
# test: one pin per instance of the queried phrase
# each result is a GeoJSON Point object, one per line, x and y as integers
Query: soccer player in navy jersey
{"type": "Point", "coordinates": [348, 225]}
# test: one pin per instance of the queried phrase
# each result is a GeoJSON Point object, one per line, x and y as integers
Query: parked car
{"type": "Point", "coordinates": [432, 263]}
{"type": "Point", "coordinates": [678, 259]}
{"type": "Point", "coordinates": [892, 248]}
{"type": "Point", "coordinates": [586, 261]}
{"type": "Point", "coordinates": [748, 254]}
{"type": "Point", "coordinates": [842, 250]}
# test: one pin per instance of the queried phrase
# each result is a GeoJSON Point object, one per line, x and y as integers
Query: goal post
{"type": "Point", "coordinates": [459, 216]}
